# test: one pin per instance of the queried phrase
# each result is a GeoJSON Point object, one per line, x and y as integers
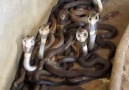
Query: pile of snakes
{"type": "Point", "coordinates": [64, 52]}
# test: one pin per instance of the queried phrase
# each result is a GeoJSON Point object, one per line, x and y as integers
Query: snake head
{"type": "Point", "coordinates": [62, 16]}
{"type": "Point", "coordinates": [44, 29]}
{"type": "Point", "coordinates": [28, 43]}
{"type": "Point", "coordinates": [81, 35]}
{"type": "Point", "coordinates": [93, 18]}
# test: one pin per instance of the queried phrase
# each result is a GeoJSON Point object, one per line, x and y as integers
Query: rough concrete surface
{"type": "Point", "coordinates": [119, 69]}
{"type": "Point", "coordinates": [125, 75]}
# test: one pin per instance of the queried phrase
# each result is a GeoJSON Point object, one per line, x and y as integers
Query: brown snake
{"type": "Point", "coordinates": [62, 51]}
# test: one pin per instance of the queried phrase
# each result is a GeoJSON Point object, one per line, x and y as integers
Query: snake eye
{"type": "Point", "coordinates": [84, 34]}
{"type": "Point", "coordinates": [96, 17]}
{"type": "Point", "coordinates": [47, 29]}
{"type": "Point", "coordinates": [31, 41]}
{"type": "Point", "coordinates": [78, 35]}
{"type": "Point", "coordinates": [89, 18]}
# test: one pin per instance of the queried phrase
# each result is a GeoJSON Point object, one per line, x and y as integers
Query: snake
{"type": "Point", "coordinates": [58, 6]}
{"type": "Point", "coordinates": [79, 80]}
{"type": "Point", "coordinates": [89, 57]}
{"type": "Point", "coordinates": [111, 30]}
{"type": "Point", "coordinates": [72, 28]}
{"type": "Point", "coordinates": [62, 18]}
{"type": "Point", "coordinates": [67, 59]}
{"type": "Point", "coordinates": [73, 4]}
{"type": "Point", "coordinates": [28, 45]}
{"type": "Point", "coordinates": [19, 82]}
{"type": "Point", "coordinates": [81, 72]}
{"type": "Point", "coordinates": [46, 76]}
{"type": "Point", "coordinates": [61, 40]}
{"type": "Point", "coordinates": [92, 28]}
{"type": "Point", "coordinates": [43, 82]}
{"type": "Point", "coordinates": [20, 86]}
{"type": "Point", "coordinates": [53, 52]}
{"type": "Point", "coordinates": [39, 73]}
{"type": "Point", "coordinates": [53, 24]}
{"type": "Point", "coordinates": [88, 60]}
{"type": "Point", "coordinates": [65, 19]}
{"type": "Point", "coordinates": [79, 11]}
{"type": "Point", "coordinates": [82, 36]}
{"type": "Point", "coordinates": [44, 31]}
{"type": "Point", "coordinates": [67, 52]}
{"type": "Point", "coordinates": [75, 18]}
{"type": "Point", "coordinates": [81, 15]}
{"type": "Point", "coordinates": [63, 73]}
{"type": "Point", "coordinates": [77, 3]}
{"type": "Point", "coordinates": [111, 33]}
{"type": "Point", "coordinates": [76, 50]}
{"type": "Point", "coordinates": [68, 3]}
{"type": "Point", "coordinates": [42, 77]}
{"type": "Point", "coordinates": [51, 39]}
{"type": "Point", "coordinates": [107, 44]}
{"type": "Point", "coordinates": [53, 79]}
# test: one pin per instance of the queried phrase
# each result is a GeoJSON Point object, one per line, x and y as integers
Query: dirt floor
{"type": "Point", "coordinates": [121, 21]}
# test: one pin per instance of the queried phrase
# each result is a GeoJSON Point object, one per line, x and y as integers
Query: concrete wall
{"type": "Point", "coordinates": [17, 19]}
{"type": "Point", "coordinates": [118, 64]}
